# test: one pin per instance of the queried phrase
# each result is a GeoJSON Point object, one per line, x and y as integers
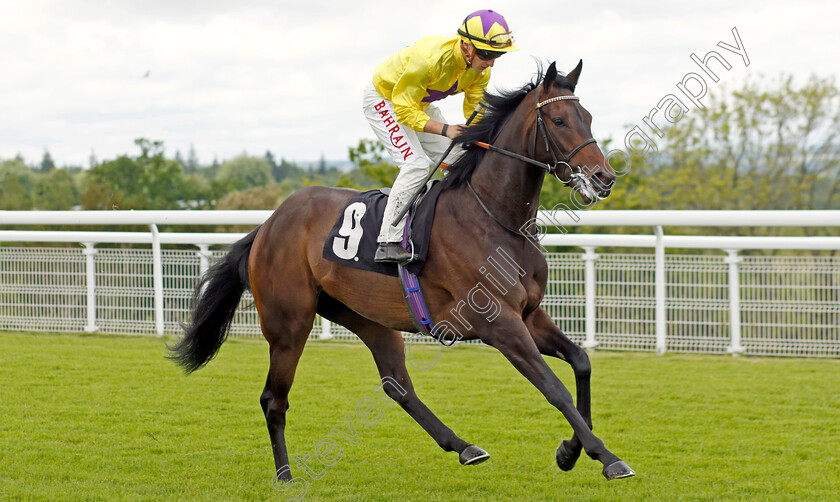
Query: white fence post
{"type": "Point", "coordinates": [90, 269]}
{"type": "Point", "coordinates": [326, 330]}
{"type": "Point", "coordinates": [157, 281]}
{"type": "Point", "coordinates": [590, 315]}
{"type": "Point", "coordinates": [733, 260]}
{"type": "Point", "coordinates": [659, 291]}
{"type": "Point", "coordinates": [203, 254]}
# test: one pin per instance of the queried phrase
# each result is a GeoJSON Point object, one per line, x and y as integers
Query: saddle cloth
{"type": "Point", "coordinates": [352, 240]}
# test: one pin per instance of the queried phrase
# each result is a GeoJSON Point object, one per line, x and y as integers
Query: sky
{"type": "Point", "coordinates": [82, 77]}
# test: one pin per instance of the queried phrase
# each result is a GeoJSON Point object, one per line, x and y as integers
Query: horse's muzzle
{"type": "Point", "coordinates": [594, 187]}
{"type": "Point", "coordinates": [603, 183]}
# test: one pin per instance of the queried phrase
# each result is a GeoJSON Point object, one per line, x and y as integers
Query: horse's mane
{"type": "Point", "coordinates": [499, 107]}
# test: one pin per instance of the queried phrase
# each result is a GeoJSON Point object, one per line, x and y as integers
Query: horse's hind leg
{"type": "Point", "coordinates": [388, 351]}
{"type": "Point", "coordinates": [551, 341]}
{"type": "Point", "coordinates": [286, 336]}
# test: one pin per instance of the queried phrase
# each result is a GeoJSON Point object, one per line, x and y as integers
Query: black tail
{"type": "Point", "coordinates": [215, 299]}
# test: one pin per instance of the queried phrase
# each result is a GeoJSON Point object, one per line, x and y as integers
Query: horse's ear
{"type": "Point", "coordinates": [550, 77]}
{"type": "Point", "coordinates": [575, 74]}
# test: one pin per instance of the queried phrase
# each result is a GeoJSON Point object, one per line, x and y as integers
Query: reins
{"type": "Point", "coordinates": [520, 233]}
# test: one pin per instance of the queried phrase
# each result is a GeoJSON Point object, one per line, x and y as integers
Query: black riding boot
{"type": "Point", "coordinates": [392, 252]}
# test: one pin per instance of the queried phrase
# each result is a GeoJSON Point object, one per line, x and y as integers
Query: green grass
{"type": "Point", "coordinates": [107, 418]}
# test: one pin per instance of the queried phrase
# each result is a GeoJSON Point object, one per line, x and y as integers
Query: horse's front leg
{"type": "Point", "coordinates": [389, 353]}
{"type": "Point", "coordinates": [511, 337]}
{"type": "Point", "coordinates": [551, 341]}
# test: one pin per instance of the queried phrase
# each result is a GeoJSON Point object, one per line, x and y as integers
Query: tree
{"type": "Point", "coordinates": [163, 182]}
{"type": "Point", "coordinates": [17, 183]}
{"type": "Point", "coordinates": [285, 170]}
{"type": "Point", "coordinates": [149, 181]}
{"type": "Point", "coordinates": [768, 145]}
{"type": "Point", "coordinates": [372, 170]}
{"type": "Point", "coordinates": [47, 163]}
{"type": "Point", "coordinates": [245, 172]}
{"type": "Point", "coordinates": [148, 146]}
{"type": "Point", "coordinates": [180, 159]}
{"type": "Point", "coordinates": [56, 190]}
{"type": "Point", "coordinates": [322, 165]}
{"type": "Point", "coordinates": [113, 185]}
{"type": "Point", "coordinates": [269, 157]}
{"type": "Point", "coordinates": [192, 160]}
{"type": "Point", "coordinates": [260, 197]}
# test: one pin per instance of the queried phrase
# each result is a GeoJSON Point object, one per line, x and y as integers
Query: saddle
{"type": "Point", "coordinates": [352, 242]}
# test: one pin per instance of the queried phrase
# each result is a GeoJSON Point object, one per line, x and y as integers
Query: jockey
{"type": "Point", "coordinates": [398, 107]}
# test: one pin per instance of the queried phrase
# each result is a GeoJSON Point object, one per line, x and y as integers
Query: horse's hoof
{"type": "Point", "coordinates": [566, 458]}
{"type": "Point", "coordinates": [473, 455]}
{"type": "Point", "coordinates": [618, 470]}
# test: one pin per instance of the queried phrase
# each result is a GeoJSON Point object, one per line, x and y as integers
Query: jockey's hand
{"type": "Point", "coordinates": [455, 130]}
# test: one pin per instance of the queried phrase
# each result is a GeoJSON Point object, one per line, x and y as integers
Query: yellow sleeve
{"type": "Point", "coordinates": [474, 94]}
{"type": "Point", "coordinates": [409, 91]}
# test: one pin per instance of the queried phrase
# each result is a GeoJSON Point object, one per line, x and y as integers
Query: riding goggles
{"type": "Point", "coordinates": [497, 41]}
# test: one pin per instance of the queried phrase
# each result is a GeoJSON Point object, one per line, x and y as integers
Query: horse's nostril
{"type": "Point", "coordinates": [603, 180]}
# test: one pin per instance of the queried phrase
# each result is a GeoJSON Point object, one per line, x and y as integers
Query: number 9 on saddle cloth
{"type": "Point", "coordinates": [352, 240]}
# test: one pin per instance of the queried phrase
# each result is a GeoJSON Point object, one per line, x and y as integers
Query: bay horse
{"type": "Point", "coordinates": [488, 197]}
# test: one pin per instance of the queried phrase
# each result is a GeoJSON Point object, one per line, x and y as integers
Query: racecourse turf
{"type": "Point", "coordinates": [98, 417]}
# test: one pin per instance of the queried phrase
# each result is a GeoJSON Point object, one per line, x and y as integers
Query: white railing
{"type": "Point", "coordinates": [787, 305]}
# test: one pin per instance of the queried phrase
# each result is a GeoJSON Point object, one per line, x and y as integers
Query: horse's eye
{"type": "Point", "coordinates": [559, 122]}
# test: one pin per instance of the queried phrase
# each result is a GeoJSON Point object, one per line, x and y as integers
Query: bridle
{"type": "Point", "coordinates": [557, 157]}
{"type": "Point", "coordinates": [551, 146]}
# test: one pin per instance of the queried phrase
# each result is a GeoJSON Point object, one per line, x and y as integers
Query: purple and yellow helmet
{"type": "Point", "coordinates": [487, 30]}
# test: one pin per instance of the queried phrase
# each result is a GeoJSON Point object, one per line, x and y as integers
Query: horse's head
{"type": "Point", "coordinates": [563, 137]}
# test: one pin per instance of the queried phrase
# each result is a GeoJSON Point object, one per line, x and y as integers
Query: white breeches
{"type": "Point", "coordinates": [412, 151]}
